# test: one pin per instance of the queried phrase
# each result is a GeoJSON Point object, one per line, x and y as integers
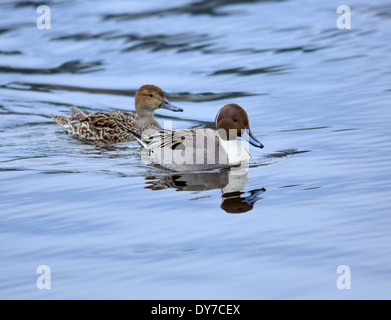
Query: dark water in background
{"type": "Point", "coordinates": [109, 226]}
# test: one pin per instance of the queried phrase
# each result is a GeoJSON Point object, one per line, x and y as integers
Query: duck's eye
{"type": "Point", "coordinates": [151, 95]}
{"type": "Point", "coordinates": [235, 120]}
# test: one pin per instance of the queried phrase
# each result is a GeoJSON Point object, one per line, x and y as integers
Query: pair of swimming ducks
{"type": "Point", "coordinates": [177, 150]}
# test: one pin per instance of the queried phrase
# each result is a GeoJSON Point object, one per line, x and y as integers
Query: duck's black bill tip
{"type": "Point", "coordinates": [257, 144]}
{"type": "Point", "coordinates": [254, 141]}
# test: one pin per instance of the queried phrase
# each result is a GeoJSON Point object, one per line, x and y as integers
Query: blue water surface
{"type": "Point", "coordinates": [109, 226]}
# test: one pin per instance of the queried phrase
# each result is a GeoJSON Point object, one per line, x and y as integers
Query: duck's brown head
{"type": "Point", "coordinates": [149, 98]}
{"type": "Point", "coordinates": [232, 122]}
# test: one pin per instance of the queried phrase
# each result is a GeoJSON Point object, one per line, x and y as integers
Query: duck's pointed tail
{"type": "Point", "coordinates": [61, 120]}
{"type": "Point", "coordinates": [76, 114]}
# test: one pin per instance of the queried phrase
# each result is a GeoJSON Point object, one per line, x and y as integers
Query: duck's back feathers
{"type": "Point", "coordinates": [104, 127]}
{"type": "Point", "coordinates": [108, 127]}
{"type": "Point", "coordinates": [185, 149]}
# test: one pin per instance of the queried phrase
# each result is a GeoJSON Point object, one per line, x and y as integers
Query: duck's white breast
{"type": "Point", "coordinates": [236, 152]}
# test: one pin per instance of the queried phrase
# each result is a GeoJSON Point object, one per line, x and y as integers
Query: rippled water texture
{"type": "Point", "coordinates": [110, 226]}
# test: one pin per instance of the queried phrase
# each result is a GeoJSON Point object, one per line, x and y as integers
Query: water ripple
{"type": "Point", "coordinates": [179, 96]}
{"type": "Point", "coordinates": [75, 66]}
{"type": "Point", "coordinates": [242, 71]}
{"type": "Point", "coordinates": [12, 52]}
{"type": "Point", "coordinates": [204, 7]}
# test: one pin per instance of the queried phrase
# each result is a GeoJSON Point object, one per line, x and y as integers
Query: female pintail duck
{"type": "Point", "coordinates": [202, 149]}
{"type": "Point", "coordinates": [107, 127]}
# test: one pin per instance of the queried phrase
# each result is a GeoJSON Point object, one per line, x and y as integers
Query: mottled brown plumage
{"type": "Point", "coordinates": [108, 127]}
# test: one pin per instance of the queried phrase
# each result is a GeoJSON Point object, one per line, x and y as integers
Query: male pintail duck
{"type": "Point", "coordinates": [107, 127]}
{"type": "Point", "coordinates": [202, 149]}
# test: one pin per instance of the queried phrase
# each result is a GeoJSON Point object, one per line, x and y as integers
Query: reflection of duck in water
{"type": "Point", "coordinates": [234, 202]}
{"type": "Point", "coordinates": [197, 181]}
{"type": "Point", "coordinates": [230, 181]}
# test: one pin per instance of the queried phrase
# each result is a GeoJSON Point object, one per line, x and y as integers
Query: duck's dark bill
{"type": "Point", "coordinates": [253, 140]}
{"type": "Point", "coordinates": [169, 106]}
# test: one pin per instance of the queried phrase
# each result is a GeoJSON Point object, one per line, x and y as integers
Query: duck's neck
{"type": "Point", "coordinates": [144, 115]}
{"type": "Point", "coordinates": [236, 152]}
{"type": "Point", "coordinates": [146, 120]}
{"type": "Point", "coordinates": [144, 112]}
